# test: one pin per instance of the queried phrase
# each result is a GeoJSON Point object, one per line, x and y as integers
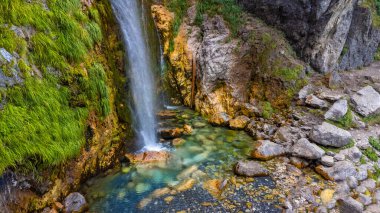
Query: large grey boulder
{"type": "Point", "coordinates": [349, 204]}
{"type": "Point", "coordinates": [330, 135]}
{"type": "Point", "coordinates": [266, 150]}
{"type": "Point", "coordinates": [304, 149]}
{"type": "Point", "coordinates": [75, 203]}
{"type": "Point", "coordinates": [366, 101]}
{"type": "Point", "coordinates": [250, 169]}
{"type": "Point", "coordinates": [340, 171]}
{"type": "Point", "coordinates": [337, 111]}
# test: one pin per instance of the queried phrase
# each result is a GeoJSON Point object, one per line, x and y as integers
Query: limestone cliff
{"type": "Point", "coordinates": [328, 34]}
{"type": "Point", "coordinates": [233, 73]}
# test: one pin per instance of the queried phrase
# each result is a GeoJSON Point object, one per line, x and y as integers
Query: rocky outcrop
{"type": "Point", "coordinates": [328, 34]}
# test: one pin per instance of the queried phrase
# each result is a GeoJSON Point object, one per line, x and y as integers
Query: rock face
{"type": "Point", "coordinates": [250, 169]}
{"type": "Point", "coordinates": [219, 119]}
{"type": "Point", "coordinates": [329, 34]}
{"type": "Point", "coordinates": [367, 101]}
{"type": "Point", "coordinates": [337, 111]}
{"type": "Point", "coordinates": [239, 122]}
{"type": "Point", "coordinates": [330, 135]}
{"type": "Point", "coordinates": [266, 150]}
{"type": "Point", "coordinates": [303, 148]}
{"type": "Point", "coordinates": [75, 203]}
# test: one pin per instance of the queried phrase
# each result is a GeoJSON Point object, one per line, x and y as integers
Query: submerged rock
{"type": "Point", "coordinates": [239, 122]}
{"type": "Point", "coordinates": [303, 148]}
{"type": "Point", "coordinates": [148, 157]}
{"type": "Point", "coordinates": [366, 101]}
{"type": "Point", "coordinates": [75, 203]}
{"type": "Point", "coordinates": [178, 141]}
{"type": "Point", "coordinates": [266, 150]}
{"type": "Point", "coordinates": [250, 169]}
{"type": "Point", "coordinates": [170, 133]}
{"type": "Point", "coordinates": [330, 135]}
{"type": "Point", "coordinates": [337, 111]}
{"type": "Point", "coordinates": [219, 119]}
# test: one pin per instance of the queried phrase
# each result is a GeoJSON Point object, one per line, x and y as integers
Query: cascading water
{"type": "Point", "coordinates": [133, 27]}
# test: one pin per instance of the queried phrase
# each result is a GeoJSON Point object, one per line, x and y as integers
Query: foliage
{"type": "Point", "coordinates": [179, 7]}
{"type": "Point", "coordinates": [371, 154]}
{"type": "Point", "coordinates": [38, 124]}
{"type": "Point", "coordinates": [372, 120]}
{"type": "Point", "coordinates": [98, 90]}
{"type": "Point", "coordinates": [228, 9]}
{"type": "Point", "coordinates": [375, 143]}
{"type": "Point", "coordinates": [267, 110]}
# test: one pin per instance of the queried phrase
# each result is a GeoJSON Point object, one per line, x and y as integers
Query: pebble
{"type": "Point", "coordinates": [327, 161]}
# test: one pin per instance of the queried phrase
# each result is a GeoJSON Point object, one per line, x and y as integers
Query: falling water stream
{"type": "Point", "coordinates": [131, 17]}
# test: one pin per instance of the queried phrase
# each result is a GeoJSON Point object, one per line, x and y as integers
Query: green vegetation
{"type": "Point", "coordinates": [371, 154]}
{"type": "Point", "coordinates": [375, 143]}
{"type": "Point", "coordinates": [179, 7]}
{"type": "Point", "coordinates": [372, 120]}
{"type": "Point", "coordinates": [43, 122]}
{"type": "Point", "coordinates": [267, 110]}
{"type": "Point", "coordinates": [228, 9]}
{"type": "Point", "coordinates": [374, 6]}
{"type": "Point", "coordinates": [336, 150]}
{"type": "Point", "coordinates": [346, 122]}
{"type": "Point", "coordinates": [37, 124]}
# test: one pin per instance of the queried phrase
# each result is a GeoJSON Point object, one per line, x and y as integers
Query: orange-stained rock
{"type": "Point", "coordinates": [185, 185]}
{"type": "Point", "coordinates": [148, 157]}
{"type": "Point", "coordinates": [213, 187]}
{"type": "Point", "coordinates": [266, 150]}
{"type": "Point", "coordinates": [163, 19]}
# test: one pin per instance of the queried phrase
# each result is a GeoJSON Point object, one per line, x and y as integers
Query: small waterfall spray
{"type": "Point", "coordinates": [130, 18]}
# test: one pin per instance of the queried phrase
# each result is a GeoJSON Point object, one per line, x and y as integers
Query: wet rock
{"type": "Point", "coordinates": [314, 101]}
{"type": "Point", "coordinates": [185, 185]}
{"type": "Point", "coordinates": [353, 153]}
{"type": "Point", "coordinates": [170, 133]}
{"type": "Point", "coordinates": [366, 101]}
{"type": "Point", "coordinates": [75, 203]}
{"type": "Point", "coordinates": [160, 192]}
{"type": "Point", "coordinates": [239, 122]}
{"type": "Point", "coordinates": [266, 150]}
{"type": "Point", "coordinates": [327, 161]}
{"type": "Point", "coordinates": [166, 114]}
{"type": "Point", "coordinates": [251, 128]}
{"type": "Point", "coordinates": [351, 205]}
{"type": "Point", "coordinates": [187, 129]}
{"type": "Point", "coordinates": [148, 157]}
{"type": "Point", "coordinates": [340, 171]}
{"type": "Point", "coordinates": [219, 119]}
{"type": "Point", "coordinates": [337, 111]}
{"type": "Point", "coordinates": [250, 169]}
{"type": "Point", "coordinates": [199, 124]}
{"type": "Point", "coordinates": [330, 135]}
{"type": "Point", "coordinates": [187, 172]}
{"type": "Point", "coordinates": [352, 182]}
{"type": "Point", "coordinates": [299, 162]}
{"type": "Point", "coordinates": [303, 148]}
{"type": "Point", "coordinates": [178, 141]}
{"type": "Point", "coordinates": [364, 199]}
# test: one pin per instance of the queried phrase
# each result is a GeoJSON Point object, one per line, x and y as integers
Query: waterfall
{"type": "Point", "coordinates": [134, 30]}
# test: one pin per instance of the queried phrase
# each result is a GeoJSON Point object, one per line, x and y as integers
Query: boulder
{"type": "Point", "coordinates": [366, 101]}
{"type": "Point", "coordinates": [219, 119]}
{"type": "Point", "coordinates": [340, 171]}
{"type": "Point", "coordinates": [266, 150]}
{"type": "Point", "coordinates": [330, 135]}
{"type": "Point", "coordinates": [170, 133]}
{"type": "Point", "coordinates": [250, 169]}
{"type": "Point", "coordinates": [349, 204]}
{"type": "Point", "coordinates": [285, 134]}
{"type": "Point", "coordinates": [337, 111]}
{"type": "Point", "coordinates": [304, 149]}
{"type": "Point", "coordinates": [353, 153]}
{"type": "Point", "coordinates": [239, 122]}
{"type": "Point", "coordinates": [327, 161]}
{"type": "Point", "coordinates": [314, 101]}
{"type": "Point", "coordinates": [352, 182]}
{"type": "Point", "coordinates": [75, 203]}
{"type": "Point", "coordinates": [148, 157]}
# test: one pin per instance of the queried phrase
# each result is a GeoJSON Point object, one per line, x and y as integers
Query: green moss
{"type": "Point", "coordinates": [374, 7]}
{"type": "Point", "coordinates": [371, 154]}
{"type": "Point", "coordinates": [336, 150]}
{"type": "Point", "coordinates": [24, 68]}
{"type": "Point", "coordinates": [98, 90]}
{"type": "Point", "coordinates": [38, 124]}
{"type": "Point", "coordinates": [346, 122]}
{"type": "Point", "coordinates": [11, 42]}
{"type": "Point", "coordinates": [372, 120]}
{"type": "Point", "coordinates": [375, 143]}
{"type": "Point", "coordinates": [228, 9]}
{"type": "Point", "coordinates": [267, 110]}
